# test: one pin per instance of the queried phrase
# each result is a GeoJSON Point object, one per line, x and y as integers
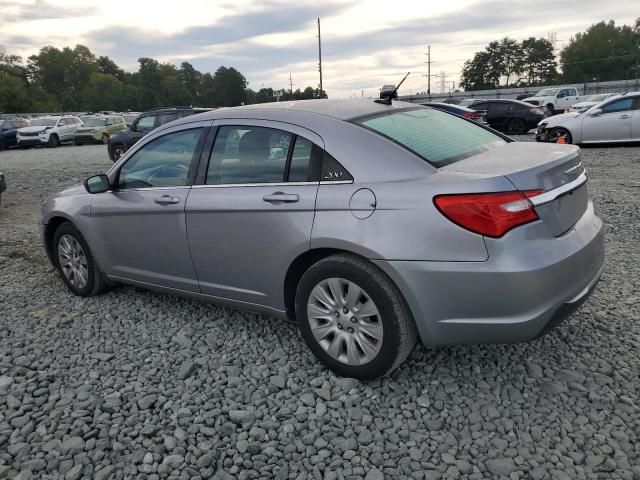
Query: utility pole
{"type": "Point", "coordinates": [320, 57]}
{"type": "Point", "coordinates": [290, 84]}
{"type": "Point", "coordinates": [429, 62]}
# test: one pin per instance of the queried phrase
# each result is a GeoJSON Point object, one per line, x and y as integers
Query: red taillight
{"type": "Point", "coordinates": [472, 115]}
{"type": "Point", "coordinates": [489, 214]}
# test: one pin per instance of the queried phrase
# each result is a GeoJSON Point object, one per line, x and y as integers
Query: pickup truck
{"type": "Point", "coordinates": [554, 100]}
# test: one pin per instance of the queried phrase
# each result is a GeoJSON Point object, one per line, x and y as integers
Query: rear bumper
{"type": "Point", "coordinates": [86, 139]}
{"type": "Point", "coordinates": [516, 295]}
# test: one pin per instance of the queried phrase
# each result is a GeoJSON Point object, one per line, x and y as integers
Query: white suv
{"type": "Point", "coordinates": [49, 131]}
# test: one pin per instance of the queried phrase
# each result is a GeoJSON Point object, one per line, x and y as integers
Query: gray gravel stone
{"type": "Point", "coordinates": [137, 384]}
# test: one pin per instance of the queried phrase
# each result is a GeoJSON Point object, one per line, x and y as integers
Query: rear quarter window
{"type": "Point", "coordinates": [438, 137]}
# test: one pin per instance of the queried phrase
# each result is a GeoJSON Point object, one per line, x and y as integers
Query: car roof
{"type": "Point", "coordinates": [339, 109]}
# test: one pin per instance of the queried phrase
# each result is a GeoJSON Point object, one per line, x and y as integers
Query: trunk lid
{"type": "Point", "coordinates": [536, 166]}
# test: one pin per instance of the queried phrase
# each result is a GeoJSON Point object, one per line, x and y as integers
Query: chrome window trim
{"type": "Point", "coordinates": [265, 184]}
{"type": "Point", "coordinates": [147, 189]}
{"type": "Point", "coordinates": [551, 195]}
{"type": "Point", "coordinates": [335, 182]}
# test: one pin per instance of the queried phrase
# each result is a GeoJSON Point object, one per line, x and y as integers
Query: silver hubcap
{"type": "Point", "coordinates": [344, 321]}
{"type": "Point", "coordinates": [73, 261]}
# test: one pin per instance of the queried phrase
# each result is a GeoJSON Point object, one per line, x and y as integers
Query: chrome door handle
{"type": "Point", "coordinates": [626, 115]}
{"type": "Point", "coordinates": [167, 200]}
{"type": "Point", "coordinates": [279, 197]}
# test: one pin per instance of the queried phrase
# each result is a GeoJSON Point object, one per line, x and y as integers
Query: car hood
{"type": "Point", "coordinates": [71, 191]}
{"type": "Point", "coordinates": [563, 118]}
{"type": "Point", "coordinates": [584, 104]}
{"type": "Point", "coordinates": [533, 98]}
{"type": "Point", "coordinates": [35, 128]}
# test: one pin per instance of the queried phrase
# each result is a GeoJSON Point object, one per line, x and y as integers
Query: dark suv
{"type": "Point", "coordinates": [8, 128]}
{"type": "Point", "coordinates": [122, 141]}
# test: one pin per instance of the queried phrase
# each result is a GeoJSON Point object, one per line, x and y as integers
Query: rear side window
{"type": "Point", "coordinates": [437, 137]}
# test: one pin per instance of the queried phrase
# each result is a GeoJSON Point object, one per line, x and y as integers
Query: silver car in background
{"type": "Point", "coordinates": [615, 120]}
{"type": "Point", "coordinates": [371, 225]}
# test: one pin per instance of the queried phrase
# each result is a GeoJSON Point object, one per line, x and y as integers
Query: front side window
{"type": "Point", "coordinates": [437, 137]}
{"type": "Point", "coordinates": [146, 123]}
{"type": "Point", "coordinates": [618, 106]}
{"type": "Point", "coordinates": [163, 162]}
{"type": "Point", "coordinates": [247, 154]}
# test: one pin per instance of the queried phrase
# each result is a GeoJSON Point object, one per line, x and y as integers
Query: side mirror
{"type": "Point", "coordinates": [595, 112]}
{"type": "Point", "coordinates": [97, 184]}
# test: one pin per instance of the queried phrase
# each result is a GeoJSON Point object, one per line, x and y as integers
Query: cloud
{"type": "Point", "coordinates": [15, 12]}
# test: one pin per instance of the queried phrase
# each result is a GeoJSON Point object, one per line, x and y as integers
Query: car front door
{"type": "Point", "coordinates": [613, 123]}
{"type": "Point", "coordinates": [498, 112]}
{"type": "Point", "coordinates": [139, 229]}
{"type": "Point", "coordinates": [252, 212]}
{"type": "Point", "coordinates": [635, 120]}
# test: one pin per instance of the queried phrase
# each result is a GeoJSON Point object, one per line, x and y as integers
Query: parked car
{"type": "Point", "coordinates": [475, 115]}
{"type": "Point", "coordinates": [555, 100]}
{"type": "Point", "coordinates": [129, 117]}
{"type": "Point", "coordinates": [468, 102]}
{"type": "Point", "coordinates": [510, 116]}
{"type": "Point", "coordinates": [615, 120]}
{"type": "Point", "coordinates": [8, 129]}
{"type": "Point", "coordinates": [98, 129]}
{"type": "Point", "coordinates": [50, 131]}
{"type": "Point", "coordinates": [3, 185]}
{"type": "Point", "coordinates": [122, 141]}
{"type": "Point", "coordinates": [380, 224]}
{"type": "Point", "coordinates": [589, 101]}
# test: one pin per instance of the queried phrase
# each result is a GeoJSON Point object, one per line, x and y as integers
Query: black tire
{"type": "Point", "coordinates": [96, 282]}
{"type": "Point", "coordinates": [105, 138]}
{"type": "Point", "coordinates": [77, 144]}
{"type": "Point", "coordinates": [516, 126]}
{"type": "Point", "coordinates": [400, 332]}
{"type": "Point", "coordinates": [554, 133]}
{"type": "Point", "coordinates": [1, 146]}
{"type": "Point", "coordinates": [54, 141]}
{"type": "Point", "coordinates": [550, 110]}
{"type": "Point", "coordinates": [117, 152]}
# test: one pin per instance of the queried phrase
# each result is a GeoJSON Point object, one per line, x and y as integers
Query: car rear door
{"type": "Point", "coordinates": [139, 231]}
{"type": "Point", "coordinates": [252, 211]}
{"type": "Point", "coordinates": [612, 124]}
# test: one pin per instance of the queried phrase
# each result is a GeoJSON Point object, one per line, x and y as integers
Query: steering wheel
{"type": "Point", "coordinates": [170, 171]}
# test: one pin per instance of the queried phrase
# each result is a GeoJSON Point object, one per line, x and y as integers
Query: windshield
{"type": "Point", "coordinates": [44, 122]}
{"type": "Point", "coordinates": [437, 137]}
{"type": "Point", "coordinates": [95, 122]}
{"type": "Point", "coordinates": [547, 92]}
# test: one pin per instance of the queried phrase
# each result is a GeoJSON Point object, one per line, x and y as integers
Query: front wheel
{"type": "Point", "coordinates": [556, 133]}
{"type": "Point", "coordinates": [76, 264]}
{"type": "Point", "coordinates": [118, 151]}
{"type": "Point", "coordinates": [550, 110]}
{"type": "Point", "coordinates": [53, 142]}
{"type": "Point", "coordinates": [353, 318]}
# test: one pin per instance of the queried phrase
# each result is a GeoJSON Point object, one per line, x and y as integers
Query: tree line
{"type": "Point", "coordinates": [603, 52]}
{"type": "Point", "coordinates": [75, 79]}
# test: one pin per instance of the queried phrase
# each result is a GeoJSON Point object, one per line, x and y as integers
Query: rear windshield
{"type": "Point", "coordinates": [95, 122]}
{"type": "Point", "coordinates": [438, 137]}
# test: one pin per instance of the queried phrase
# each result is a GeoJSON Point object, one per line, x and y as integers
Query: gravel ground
{"type": "Point", "coordinates": [134, 384]}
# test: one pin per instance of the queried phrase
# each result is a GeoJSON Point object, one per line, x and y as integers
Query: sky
{"type": "Point", "coordinates": [365, 44]}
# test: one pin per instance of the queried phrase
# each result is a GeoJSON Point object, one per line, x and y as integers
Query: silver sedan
{"type": "Point", "coordinates": [615, 120]}
{"type": "Point", "coordinates": [371, 225]}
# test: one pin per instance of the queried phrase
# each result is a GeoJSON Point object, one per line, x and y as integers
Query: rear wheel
{"type": "Point", "coordinates": [75, 262]}
{"type": "Point", "coordinates": [556, 133]}
{"type": "Point", "coordinates": [105, 138]}
{"type": "Point", "coordinates": [353, 318]}
{"type": "Point", "coordinates": [54, 141]}
{"type": "Point", "coordinates": [516, 126]}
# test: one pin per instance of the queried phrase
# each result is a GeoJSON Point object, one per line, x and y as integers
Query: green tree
{"type": "Point", "coordinates": [103, 92]}
{"type": "Point", "coordinates": [230, 87]}
{"type": "Point", "coordinates": [539, 65]}
{"type": "Point", "coordinates": [604, 52]}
